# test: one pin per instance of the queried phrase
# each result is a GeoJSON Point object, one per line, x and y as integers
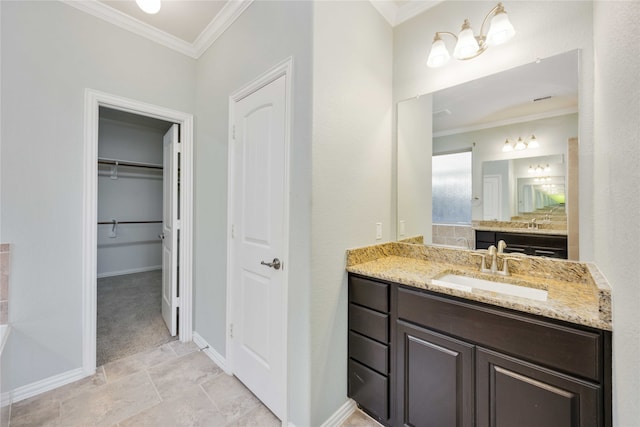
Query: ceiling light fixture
{"type": "Point", "coordinates": [520, 144]}
{"type": "Point", "coordinates": [469, 46]}
{"type": "Point", "coordinates": [149, 6]}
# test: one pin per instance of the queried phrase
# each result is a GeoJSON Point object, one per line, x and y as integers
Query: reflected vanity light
{"type": "Point", "coordinates": [149, 6]}
{"type": "Point", "coordinates": [520, 144]}
{"type": "Point", "coordinates": [469, 46]}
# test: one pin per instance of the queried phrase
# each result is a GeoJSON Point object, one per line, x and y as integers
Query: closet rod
{"type": "Point", "coordinates": [129, 222]}
{"type": "Point", "coordinates": [125, 163]}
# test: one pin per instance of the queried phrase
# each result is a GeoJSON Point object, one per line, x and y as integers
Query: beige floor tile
{"type": "Point", "coordinates": [111, 403]}
{"type": "Point", "coordinates": [46, 414]}
{"type": "Point", "coordinates": [231, 397]}
{"type": "Point", "coordinates": [182, 348]}
{"type": "Point", "coordinates": [176, 376]}
{"type": "Point", "coordinates": [193, 408]}
{"type": "Point", "coordinates": [259, 417]}
{"type": "Point", "coordinates": [52, 399]}
{"type": "Point", "coordinates": [5, 412]}
{"type": "Point", "coordinates": [138, 362]}
{"type": "Point", "coordinates": [360, 419]}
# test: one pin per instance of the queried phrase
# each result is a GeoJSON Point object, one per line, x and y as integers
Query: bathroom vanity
{"type": "Point", "coordinates": [526, 243]}
{"type": "Point", "coordinates": [422, 354]}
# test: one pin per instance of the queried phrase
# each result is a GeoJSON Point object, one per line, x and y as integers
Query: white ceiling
{"type": "Point", "coordinates": [191, 26]}
{"type": "Point", "coordinates": [185, 19]}
{"type": "Point", "coordinates": [508, 96]}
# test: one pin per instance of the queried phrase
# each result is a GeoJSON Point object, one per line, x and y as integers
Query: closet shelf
{"type": "Point", "coordinates": [128, 222]}
{"type": "Point", "coordinates": [106, 161]}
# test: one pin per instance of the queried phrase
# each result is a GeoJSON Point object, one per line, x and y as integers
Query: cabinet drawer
{"type": "Point", "coordinates": [369, 293]}
{"type": "Point", "coordinates": [369, 389]}
{"type": "Point", "coordinates": [560, 347]}
{"type": "Point", "coordinates": [486, 236]}
{"type": "Point", "coordinates": [370, 323]}
{"type": "Point", "coordinates": [369, 352]}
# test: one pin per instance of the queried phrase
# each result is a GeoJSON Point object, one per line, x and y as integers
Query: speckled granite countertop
{"type": "Point", "coordinates": [577, 292]}
{"type": "Point", "coordinates": [554, 229]}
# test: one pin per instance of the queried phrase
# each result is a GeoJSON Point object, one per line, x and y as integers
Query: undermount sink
{"type": "Point", "coordinates": [468, 284]}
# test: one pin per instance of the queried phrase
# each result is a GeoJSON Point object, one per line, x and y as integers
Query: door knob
{"type": "Point", "coordinates": [273, 264]}
{"type": "Point", "coordinates": [161, 236]}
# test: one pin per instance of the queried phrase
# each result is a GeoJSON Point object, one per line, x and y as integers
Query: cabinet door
{"type": "Point", "coordinates": [511, 392]}
{"type": "Point", "coordinates": [435, 379]}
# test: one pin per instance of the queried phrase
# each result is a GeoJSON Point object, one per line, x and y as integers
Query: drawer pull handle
{"type": "Point", "coordinates": [358, 377]}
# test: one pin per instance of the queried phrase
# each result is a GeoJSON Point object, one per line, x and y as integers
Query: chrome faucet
{"type": "Point", "coordinates": [501, 245]}
{"type": "Point", "coordinates": [495, 253]}
{"type": "Point", "coordinates": [533, 224]}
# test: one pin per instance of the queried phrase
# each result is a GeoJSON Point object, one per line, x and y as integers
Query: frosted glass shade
{"type": "Point", "coordinates": [439, 54]}
{"type": "Point", "coordinates": [507, 147]}
{"type": "Point", "coordinates": [520, 145]}
{"type": "Point", "coordinates": [501, 30]}
{"type": "Point", "coordinates": [149, 6]}
{"type": "Point", "coordinates": [467, 45]}
{"type": "Point", "coordinates": [533, 142]}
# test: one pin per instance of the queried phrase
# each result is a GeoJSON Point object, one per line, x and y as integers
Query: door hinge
{"type": "Point", "coordinates": [231, 330]}
{"type": "Point", "coordinates": [177, 300]}
{"type": "Point", "coordinates": [233, 231]}
{"type": "Point", "coordinates": [233, 132]}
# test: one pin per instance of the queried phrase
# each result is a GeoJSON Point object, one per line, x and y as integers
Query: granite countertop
{"type": "Point", "coordinates": [507, 229]}
{"type": "Point", "coordinates": [577, 292]}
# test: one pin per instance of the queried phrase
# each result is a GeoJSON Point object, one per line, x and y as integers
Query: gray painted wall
{"type": "Point", "coordinates": [616, 181]}
{"type": "Point", "coordinates": [51, 52]}
{"type": "Point", "coordinates": [135, 196]}
{"type": "Point", "coordinates": [351, 192]}
{"type": "Point", "coordinates": [266, 34]}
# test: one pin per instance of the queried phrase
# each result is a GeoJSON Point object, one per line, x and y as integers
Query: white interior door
{"type": "Point", "coordinates": [258, 309]}
{"type": "Point", "coordinates": [170, 230]}
{"type": "Point", "coordinates": [492, 195]}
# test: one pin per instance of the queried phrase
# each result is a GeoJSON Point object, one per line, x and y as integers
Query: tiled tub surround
{"type": "Point", "coordinates": [577, 292]}
{"type": "Point", "coordinates": [4, 283]}
{"type": "Point", "coordinates": [558, 228]}
{"type": "Point", "coordinates": [461, 236]}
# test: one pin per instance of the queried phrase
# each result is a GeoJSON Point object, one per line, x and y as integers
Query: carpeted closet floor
{"type": "Point", "coordinates": [129, 315]}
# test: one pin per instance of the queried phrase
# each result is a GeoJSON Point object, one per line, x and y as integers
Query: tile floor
{"type": "Point", "coordinates": [172, 385]}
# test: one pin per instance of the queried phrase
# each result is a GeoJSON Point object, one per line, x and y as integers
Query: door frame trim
{"type": "Point", "coordinates": [284, 68]}
{"type": "Point", "coordinates": [93, 100]}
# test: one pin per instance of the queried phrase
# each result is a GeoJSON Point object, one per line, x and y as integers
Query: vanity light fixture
{"type": "Point", "coordinates": [520, 144]}
{"type": "Point", "coordinates": [469, 46]}
{"type": "Point", "coordinates": [149, 6]}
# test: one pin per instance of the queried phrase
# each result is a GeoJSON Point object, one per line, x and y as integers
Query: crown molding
{"type": "Point", "coordinates": [229, 13]}
{"type": "Point", "coordinates": [414, 8]}
{"type": "Point", "coordinates": [396, 14]}
{"type": "Point", "coordinates": [506, 122]}
{"type": "Point", "coordinates": [223, 20]}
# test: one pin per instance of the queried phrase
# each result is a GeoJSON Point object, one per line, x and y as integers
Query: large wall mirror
{"type": "Point", "coordinates": [502, 148]}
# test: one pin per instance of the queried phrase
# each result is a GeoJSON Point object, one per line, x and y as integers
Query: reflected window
{"type": "Point", "coordinates": [451, 192]}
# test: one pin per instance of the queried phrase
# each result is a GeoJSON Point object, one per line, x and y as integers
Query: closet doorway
{"type": "Point", "coordinates": [138, 197]}
{"type": "Point", "coordinates": [136, 265]}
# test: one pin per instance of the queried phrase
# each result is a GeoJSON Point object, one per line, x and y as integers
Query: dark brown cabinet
{"type": "Point", "coordinates": [511, 392]}
{"type": "Point", "coordinates": [369, 357]}
{"type": "Point", "coordinates": [435, 379]}
{"type": "Point", "coordinates": [551, 246]}
{"type": "Point", "coordinates": [443, 361]}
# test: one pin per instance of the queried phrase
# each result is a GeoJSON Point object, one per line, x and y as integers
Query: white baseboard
{"type": "Point", "coordinates": [211, 353]}
{"type": "Point", "coordinates": [129, 271]}
{"type": "Point", "coordinates": [38, 387]}
{"type": "Point", "coordinates": [341, 414]}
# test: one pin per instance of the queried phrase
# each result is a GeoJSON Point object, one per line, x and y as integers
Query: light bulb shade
{"type": "Point", "coordinates": [548, 168]}
{"type": "Point", "coordinates": [501, 30]}
{"type": "Point", "coordinates": [520, 145]}
{"type": "Point", "coordinates": [507, 147]}
{"type": "Point", "coordinates": [531, 169]}
{"type": "Point", "coordinates": [533, 142]}
{"type": "Point", "coordinates": [149, 6]}
{"type": "Point", "coordinates": [467, 45]}
{"type": "Point", "coordinates": [439, 54]}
